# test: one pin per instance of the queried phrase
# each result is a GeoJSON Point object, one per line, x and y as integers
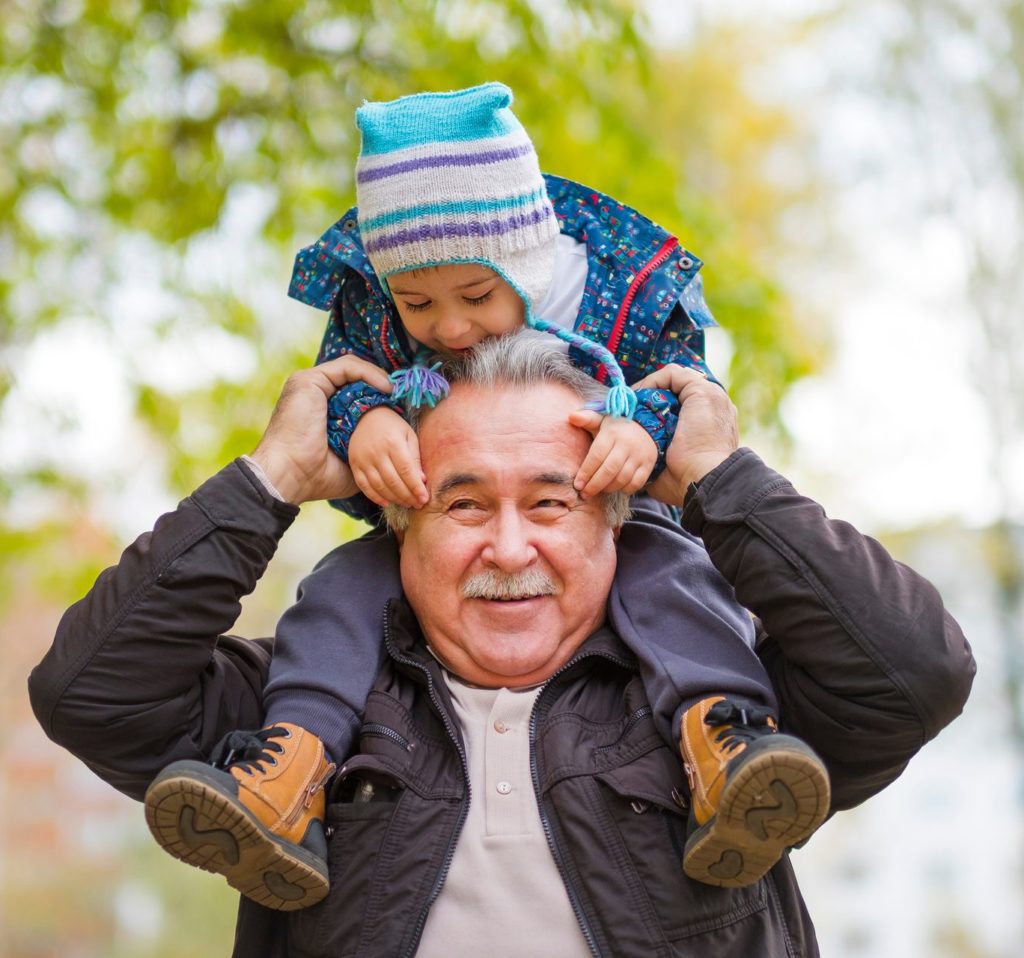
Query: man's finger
{"type": "Point", "coordinates": [349, 369]}
{"type": "Point", "coordinates": [672, 377]}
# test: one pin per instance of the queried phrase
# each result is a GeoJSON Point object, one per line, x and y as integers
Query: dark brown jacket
{"type": "Point", "coordinates": [866, 662]}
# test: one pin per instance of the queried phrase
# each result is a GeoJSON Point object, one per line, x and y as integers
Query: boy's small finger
{"type": "Point", "coordinates": [635, 481]}
{"type": "Point", "coordinates": [585, 471]}
{"type": "Point", "coordinates": [586, 419]}
{"type": "Point", "coordinates": [599, 481]}
{"type": "Point", "coordinates": [391, 482]}
{"type": "Point", "coordinates": [421, 492]}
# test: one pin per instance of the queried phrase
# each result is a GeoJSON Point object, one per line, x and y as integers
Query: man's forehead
{"type": "Point", "coordinates": [545, 405]}
{"type": "Point", "coordinates": [454, 480]}
{"type": "Point", "coordinates": [476, 426]}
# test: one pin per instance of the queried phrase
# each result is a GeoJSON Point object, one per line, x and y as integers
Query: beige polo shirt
{"type": "Point", "coordinates": [503, 897]}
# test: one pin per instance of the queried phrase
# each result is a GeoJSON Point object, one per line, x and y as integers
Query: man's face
{"type": "Point", "coordinates": [506, 568]}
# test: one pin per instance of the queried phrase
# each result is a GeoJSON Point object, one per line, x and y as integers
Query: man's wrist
{"type": "Point", "coordinates": [702, 465]}
{"type": "Point", "coordinates": [259, 473]}
{"type": "Point", "coordinates": [275, 475]}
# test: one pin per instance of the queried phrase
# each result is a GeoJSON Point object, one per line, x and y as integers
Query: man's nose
{"type": "Point", "coordinates": [509, 545]}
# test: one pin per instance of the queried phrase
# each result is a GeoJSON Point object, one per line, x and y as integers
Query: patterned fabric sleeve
{"type": "Point", "coordinates": [347, 333]}
{"type": "Point", "coordinates": [657, 410]}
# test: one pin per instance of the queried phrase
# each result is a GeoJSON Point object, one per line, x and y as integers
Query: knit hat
{"type": "Point", "coordinates": [453, 178]}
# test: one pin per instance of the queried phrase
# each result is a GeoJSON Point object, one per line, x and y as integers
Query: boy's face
{"type": "Point", "coordinates": [453, 307]}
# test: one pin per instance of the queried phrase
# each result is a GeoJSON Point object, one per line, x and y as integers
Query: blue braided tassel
{"type": "Point", "coordinates": [621, 400]}
{"type": "Point", "coordinates": [419, 385]}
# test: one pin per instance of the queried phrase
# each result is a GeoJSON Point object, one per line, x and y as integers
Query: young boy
{"type": "Point", "coordinates": [457, 237]}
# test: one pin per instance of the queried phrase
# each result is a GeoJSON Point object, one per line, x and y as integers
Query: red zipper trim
{"type": "Point", "coordinates": [395, 364]}
{"type": "Point", "coordinates": [663, 254]}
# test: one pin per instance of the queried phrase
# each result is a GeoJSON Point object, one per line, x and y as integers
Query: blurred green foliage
{"type": "Point", "coordinates": [138, 131]}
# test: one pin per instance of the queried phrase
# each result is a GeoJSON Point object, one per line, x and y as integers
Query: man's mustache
{"type": "Point", "coordinates": [493, 584]}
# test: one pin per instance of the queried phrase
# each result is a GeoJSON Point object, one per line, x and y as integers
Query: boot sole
{"type": "Point", "coordinates": [198, 823]}
{"type": "Point", "coordinates": [776, 800]}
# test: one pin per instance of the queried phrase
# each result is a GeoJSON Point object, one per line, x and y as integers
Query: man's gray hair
{"type": "Point", "coordinates": [518, 361]}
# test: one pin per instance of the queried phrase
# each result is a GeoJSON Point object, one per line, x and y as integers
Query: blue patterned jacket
{"type": "Point", "coordinates": [643, 299]}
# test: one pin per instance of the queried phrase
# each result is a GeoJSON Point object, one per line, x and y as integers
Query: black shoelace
{"type": "Point", "coordinates": [246, 750]}
{"type": "Point", "coordinates": [744, 722]}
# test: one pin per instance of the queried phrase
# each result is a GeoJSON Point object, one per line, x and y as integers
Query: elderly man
{"type": "Point", "coordinates": [505, 681]}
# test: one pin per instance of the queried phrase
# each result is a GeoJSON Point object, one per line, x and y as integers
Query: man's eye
{"type": "Point", "coordinates": [463, 505]}
{"type": "Point", "coordinates": [551, 504]}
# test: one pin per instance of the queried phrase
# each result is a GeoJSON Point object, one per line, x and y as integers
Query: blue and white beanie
{"type": "Point", "coordinates": [454, 178]}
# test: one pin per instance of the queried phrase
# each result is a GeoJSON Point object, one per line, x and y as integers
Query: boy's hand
{"type": "Point", "coordinates": [384, 456]}
{"type": "Point", "coordinates": [621, 457]}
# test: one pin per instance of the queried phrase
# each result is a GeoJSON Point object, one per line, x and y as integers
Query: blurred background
{"type": "Point", "coordinates": [851, 172]}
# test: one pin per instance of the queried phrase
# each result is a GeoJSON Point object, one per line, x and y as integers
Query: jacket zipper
{"type": "Point", "coordinates": [664, 251]}
{"type": "Point", "coordinates": [639, 714]}
{"type": "Point", "coordinates": [383, 731]}
{"type": "Point", "coordinates": [454, 736]}
{"type": "Point", "coordinates": [545, 821]}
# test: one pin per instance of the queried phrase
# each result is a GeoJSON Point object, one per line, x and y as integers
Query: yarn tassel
{"type": "Point", "coordinates": [620, 401]}
{"type": "Point", "coordinates": [419, 385]}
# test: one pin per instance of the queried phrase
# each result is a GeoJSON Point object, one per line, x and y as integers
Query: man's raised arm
{"type": "Point", "coordinates": [867, 663]}
{"type": "Point", "coordinates": [140, 672]}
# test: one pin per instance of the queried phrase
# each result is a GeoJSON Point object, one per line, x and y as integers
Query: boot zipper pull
{"type": "Point", "coordinates": [315, 787]}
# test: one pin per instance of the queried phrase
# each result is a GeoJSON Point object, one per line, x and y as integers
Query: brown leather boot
{"type": "Point", "coordinates": [754, 791]}
{"type": "Point", "coordinates": [254, 814]}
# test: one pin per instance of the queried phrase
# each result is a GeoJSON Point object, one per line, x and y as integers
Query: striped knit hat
{"type": "Point", "coordinates": [453, 178]}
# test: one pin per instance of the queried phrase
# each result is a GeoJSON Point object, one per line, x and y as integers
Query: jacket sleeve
{"type": "Point", "coordinates": [139, 673]}
{"type": "Point", "coordinates": [657, 412]}
{"type": "Point", "coordinates": [867, 663]}
{"type": "Point", "coordinates": [348, 333]}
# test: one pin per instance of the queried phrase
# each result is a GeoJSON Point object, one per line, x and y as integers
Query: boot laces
{"type": "Point", "coordinates": [249, 750]}
{"type": "Point", "coordinates": [742, 722]}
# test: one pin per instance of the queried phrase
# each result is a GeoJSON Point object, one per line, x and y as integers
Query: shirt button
{"type": "Point", "coordinates": [500, 727]}
{"type": "Point", "coordinates": [504, 788]}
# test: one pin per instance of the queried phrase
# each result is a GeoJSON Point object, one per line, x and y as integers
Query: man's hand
{"type": "Point", "coordinates": [293, 451]}
{"type": "Point", "coordinates": [706, 436]}
{"type": "Point", "coordinates": [384, 454]}
{"type": "Point", "coordinates": [621, 456]}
